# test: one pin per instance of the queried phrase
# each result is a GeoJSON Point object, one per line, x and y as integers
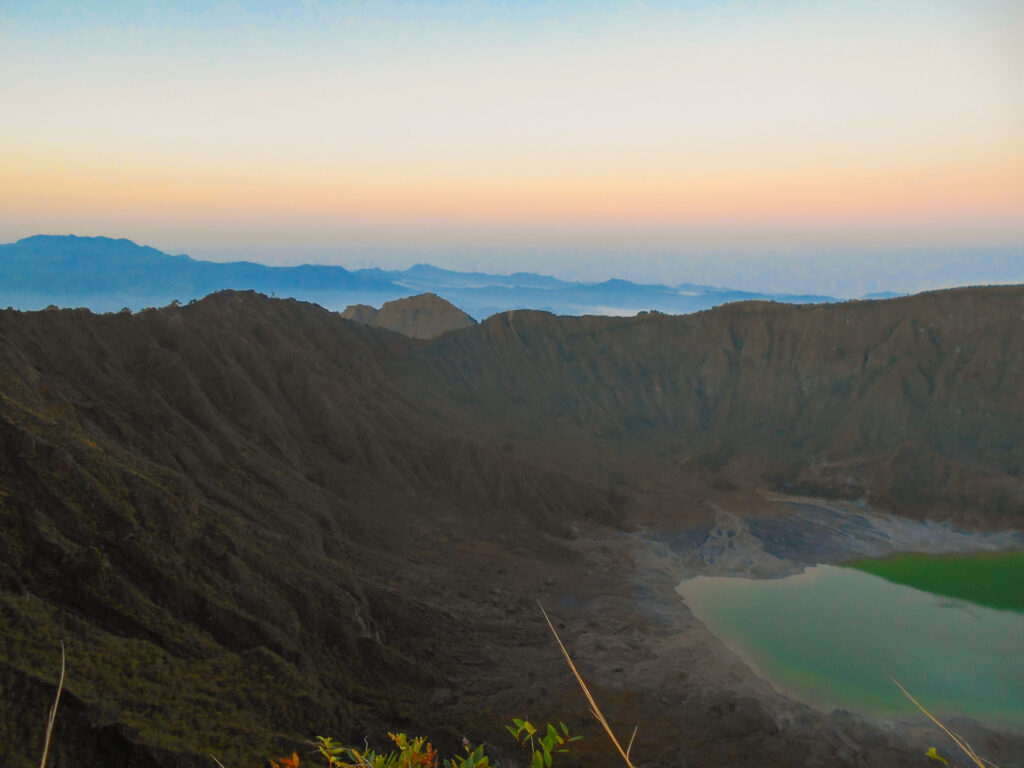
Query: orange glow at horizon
{"type": "Point", "coordinates": [979, 187]}
{"type": "Point", "coordinates": [436, 118]}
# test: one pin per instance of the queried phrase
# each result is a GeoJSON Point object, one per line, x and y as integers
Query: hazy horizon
{"type": "Point", "coordinates": [839, 274]}
{"type": "Point", "coordinates": [834, 147]}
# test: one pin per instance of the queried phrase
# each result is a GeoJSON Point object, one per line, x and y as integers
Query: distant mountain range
{"type": "Point", "coordinates": [106, 275]}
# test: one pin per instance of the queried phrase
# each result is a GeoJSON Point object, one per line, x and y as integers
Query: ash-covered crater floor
{"type": "Point", "coordinates": [814, 532]}
{"type": "Point", "coordinates": [656, 644]}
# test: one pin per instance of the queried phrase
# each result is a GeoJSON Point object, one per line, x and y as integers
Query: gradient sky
{"type": "Point", "coordinates": [584, 139]}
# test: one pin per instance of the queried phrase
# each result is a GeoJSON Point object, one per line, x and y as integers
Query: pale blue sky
{"type": "Point", "coordinates": [650, 140]}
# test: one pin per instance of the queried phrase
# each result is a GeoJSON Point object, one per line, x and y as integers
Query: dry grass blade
{"type": "Point", "coordinates": [980, 762]}
{"type": "Point", "coordinates": [595, 710]}
{"type": "Point", "coordinates": [214, 758]}
{"type": "Point", "coordinates": [53, 711]}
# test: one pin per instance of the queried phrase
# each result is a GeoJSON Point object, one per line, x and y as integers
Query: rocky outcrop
{"type": "Point", "coordinates": [422, 317]}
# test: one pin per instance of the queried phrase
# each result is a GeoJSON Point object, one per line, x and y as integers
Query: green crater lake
{"type": "Point", "coordinates": [833, 637]}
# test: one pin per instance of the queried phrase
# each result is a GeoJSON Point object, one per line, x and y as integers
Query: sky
{"type": "Point", "coordinates": [807, 143]}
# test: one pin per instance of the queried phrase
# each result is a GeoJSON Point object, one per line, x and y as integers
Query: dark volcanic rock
{"type": "Point", "coordinates": [219, 508]}
{"type": "Point", "coordinates": [914, 403]}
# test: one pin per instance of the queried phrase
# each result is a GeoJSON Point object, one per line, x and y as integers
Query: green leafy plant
{"type": "Point", "coordinates": [541, 747]}
{"type": "Point", "coordinates": [409, 753]}
{"type": "Point", "coordinates": [419, 753]}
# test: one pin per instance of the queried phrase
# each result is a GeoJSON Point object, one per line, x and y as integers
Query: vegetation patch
{"type": "Point", "coordinates": [993, 580]}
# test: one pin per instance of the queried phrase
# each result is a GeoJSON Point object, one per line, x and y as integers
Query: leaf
{"type": "Point", "coordinates": [538, 760]}
{"type": "Point", "coordinates": [934, 755]}
{"type": "Point", "coordinates": [400, 739]}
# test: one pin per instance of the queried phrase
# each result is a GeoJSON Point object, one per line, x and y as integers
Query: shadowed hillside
{"type": "Point", "coordinates": [914, 403]}
{"type": "Point", "coordinates": [252, 520]}
{"type": "Point", "coordinates": [232, 496]}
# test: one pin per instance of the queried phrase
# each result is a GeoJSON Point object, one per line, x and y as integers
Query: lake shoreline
{"type": "Point", "coordinates": [682, 664]}
{"type": "Point", "coordinates": [816, 532]}
{"type": "Point", "coordinates": [835, 637]}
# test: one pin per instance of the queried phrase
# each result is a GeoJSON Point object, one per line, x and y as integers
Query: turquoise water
{"type": "Point", "coordinates": [833, 637]}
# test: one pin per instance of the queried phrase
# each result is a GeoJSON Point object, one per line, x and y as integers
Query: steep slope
{"type": "Point", "coordinates": [421, 317]}
{"type": "Point", "coordinates": [913, 402]}
{"type": "Point", "coordinates": [217, 508]}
